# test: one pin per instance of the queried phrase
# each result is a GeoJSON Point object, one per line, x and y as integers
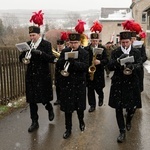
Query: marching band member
{"type": "Point", "coordinates": [98, 83]}
{"type": "Point", "coordinates": [125, 90]}
{"type": "Point", "coordinates": [140, 46]}
{"type": "Point", "coordinates": [38, 77]}
{"type": "Point", "coordinates": [60, 47]}
{"type": "Point", "coordinates": [73, 83]}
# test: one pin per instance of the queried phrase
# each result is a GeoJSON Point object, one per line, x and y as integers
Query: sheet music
{"type": "Point", "coordinates": [71, 55]}
{"type": "Point", "coordinates": [98, 50]}
{"type": "Point", "coordinates": [22, 46]}
{"type": "Point", "coordinates": [137, 44]}
{"type": "Point", "coordinates": [126, 59]}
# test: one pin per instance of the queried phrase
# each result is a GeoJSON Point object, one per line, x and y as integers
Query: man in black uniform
{"type": "Point", "coordinates": [38, 77]}
{"type": "Point", "coordinates": [141, 47]}
{"type": "Point", "coordinates": [73, 83]}
{"type": "Point", "coordinates": [125, 89]}
{"type": "Point", "coordinates": [98, 82]}
{"type": "Point", "coordinates": [60, 47]}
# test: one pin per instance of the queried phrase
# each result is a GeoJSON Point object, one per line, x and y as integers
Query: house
{"type": "Point", "coordinates": [111, 19]}
{"type": "Point", "coordinates": [141, 14]}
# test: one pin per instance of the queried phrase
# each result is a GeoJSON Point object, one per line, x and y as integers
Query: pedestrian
{"type": "Point", "coordinates": [109, 49]}
{"type": "Point", "coordinates": [38, 78]}
{"type": "Point", "coordinates": [95, 75]}
{"type": "Point", "coordinates": [60, 47]}
{"type": "Point", "coordinates": [125, 90]}
{"type": "Point", "coordinates": [73, 83]}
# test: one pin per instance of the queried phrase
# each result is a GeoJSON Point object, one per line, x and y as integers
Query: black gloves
{"type": "Point", "coordinates": [71, 60]}
{"type": "Point", "coordinates": [129, 65]}
{"type": "Point", "coordinates": [122, 56]}
{"type": "Point", "coordinates": [37, 52]}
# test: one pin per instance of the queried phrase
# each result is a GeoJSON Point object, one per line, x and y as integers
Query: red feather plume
{"type": "Point", "coordinates": [64, 36]}
{"type": "Point", "coordinates": [97, 27]}
{"type": "Point", "coordinates": [132, 26]}
{"type": "Point", "coordinates": [128, 25]}
{"type": "Point", "coordinates": [142, 34]}
{"type": "Point", "coordinates": [136, 27]}
{"type": "Point", "coordinates": [37, 18]}
{"type": "Point", "coordinates": [80, 26]}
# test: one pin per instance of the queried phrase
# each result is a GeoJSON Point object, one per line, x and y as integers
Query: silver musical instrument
{"type": "Point", "coordinates": [26, 59]}
{"type": "Point", "coordinates": [126, 71]}
{"type": "Point", "coordinates": [65, 72]}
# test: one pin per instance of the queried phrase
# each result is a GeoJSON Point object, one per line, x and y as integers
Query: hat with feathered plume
{"type": "Point", "coordinates": [37, 19]}
{"type": "Point", "coordinates": [80, 29]}
{"type": "Point", "coordinates": [96, 28]}
{"type": "Point", "coordinates": [132, 26]}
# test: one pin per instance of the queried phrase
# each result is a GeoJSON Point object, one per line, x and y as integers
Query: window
{"type": "Point", "coordinates": [144, 17]}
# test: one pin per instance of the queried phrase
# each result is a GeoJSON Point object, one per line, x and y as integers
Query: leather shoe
{"type": "Point", "coordinates": [128, 126]}
{"type": "Point", "coordinates": [51, 115]}
{"type": "Point", "coordinates": [67, 134]}
{"type": "Point", "coordinates": [121, 137]}
{"type": "Point", "coordinates": [82, 126]}
{"type": "Point", "coordinates": [92, 108]}
{"type": "Point", "coordinates": [100, 103]}
{"type": "Point", "coordinates": [57, 102]}
{"type": "Point", "coordinates": [34, 126]}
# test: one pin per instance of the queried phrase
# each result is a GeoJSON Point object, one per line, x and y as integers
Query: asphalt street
{"type": "Point", "coordinates": [100, 134]}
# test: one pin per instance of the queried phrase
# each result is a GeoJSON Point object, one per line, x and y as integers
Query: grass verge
{"type": "Point", "coordinates": [11, 107]}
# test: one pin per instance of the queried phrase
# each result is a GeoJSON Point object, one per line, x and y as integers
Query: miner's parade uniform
{"type": "Point", "coordinates": [73, 85]}
{"type": "Point", "coordinates": [125, 89]}
{"type": "Point", "coordinates": [38, 76]}
{"type": "Point", "coordinates": [98, 82]}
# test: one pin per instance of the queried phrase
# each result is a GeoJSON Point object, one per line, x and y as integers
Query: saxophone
{"type": "Point", "coordinates": [92, 68]}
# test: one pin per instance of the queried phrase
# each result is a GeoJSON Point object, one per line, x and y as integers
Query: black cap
{"type": "Point", "coordinates": [94, 36]}
{"type": "Point", "coordinates": [60, 42]}
{"type": "Point", "coordinates": [133, 34]}
{"type": "Point", "coordinates": [34, 29]}
{"type": "Point", "coordinates": [74, 37]}
{"type": "Point", "coordinates": [125, 35]}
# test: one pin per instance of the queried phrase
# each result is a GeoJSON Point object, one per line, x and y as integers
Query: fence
{"type": "Point", "coordinates": [12, 75]}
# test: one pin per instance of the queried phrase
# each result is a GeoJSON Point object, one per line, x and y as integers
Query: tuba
{"type": "Point", "coordinates": [55, 53]}
{"type": "Point", "coordinates": [26, 59]}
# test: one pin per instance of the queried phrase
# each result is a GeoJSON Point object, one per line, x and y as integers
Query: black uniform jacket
{"type": "Point", "coordinates": [38, 77]}
{"type": "Point", "coordinates": [125, 89]}
{"type": "Point", "coordinates": [141, 72]}
{"type": "Point", "coordinates": [99, 79]}
{"type": "Point", "coordinates": [73, 87]}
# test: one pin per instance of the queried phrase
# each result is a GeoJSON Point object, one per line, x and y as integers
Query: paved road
{"type": "Point", "coordinates": [100, 133]}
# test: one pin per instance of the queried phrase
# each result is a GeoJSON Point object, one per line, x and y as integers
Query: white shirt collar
{"type": "Point", "coordinates": [126, 51]}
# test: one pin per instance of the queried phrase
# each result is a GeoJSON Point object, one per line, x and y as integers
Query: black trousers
{"type": "Point", "coordinates": [120, 117]}
{"type": "Point", "coordinates": [68, 119]}
{"type": "Point", "coordinates": [91, 95]}
{"type": "Point", "coordinates": [58, 92]}
{"type": "Point", "coordinates": [34, 110]}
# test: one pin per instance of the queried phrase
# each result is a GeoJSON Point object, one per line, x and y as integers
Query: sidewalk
{"type": "Point", "coordinates": [147, 78]}
{"type": "Point", "coordinates": [147, 66]}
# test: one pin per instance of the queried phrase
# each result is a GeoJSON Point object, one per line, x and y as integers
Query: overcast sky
{"type": "Point", "coordinates": [73, 5]}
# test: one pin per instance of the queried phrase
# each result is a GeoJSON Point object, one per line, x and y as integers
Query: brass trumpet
{"type": "Point", "coordinates": [65, 72]}
{"type": "Point", "coordinates": [26, 59]}
{"type": "Point", "coordinates": [127, 71]}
